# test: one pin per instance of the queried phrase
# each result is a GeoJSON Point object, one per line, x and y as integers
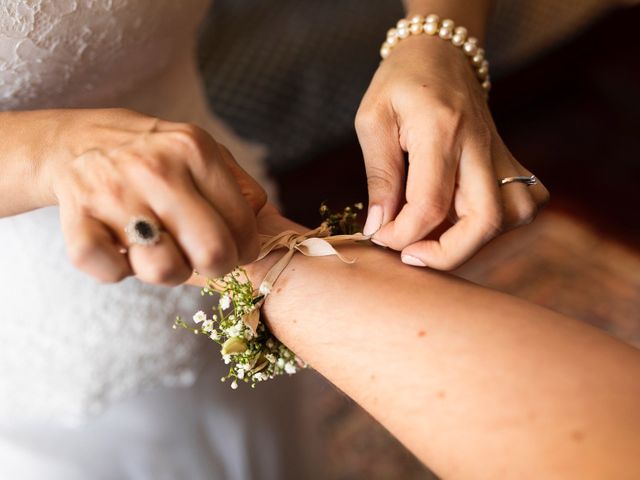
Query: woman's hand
{"type": "Point", "coordinates": [425, 100]}
{"type": "Point", "coordinates": [104, 167]}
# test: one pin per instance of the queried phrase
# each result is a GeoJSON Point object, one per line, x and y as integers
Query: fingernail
{"type": "Point", "coordinates": [378, 242]}
{"type": "Point", "coordinates": [374, 220]}
{"type": "Point", "coordinates": [411, 260]}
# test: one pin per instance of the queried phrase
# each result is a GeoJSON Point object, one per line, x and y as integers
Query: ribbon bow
{"type": "Point", "coordinates": [315, 243]}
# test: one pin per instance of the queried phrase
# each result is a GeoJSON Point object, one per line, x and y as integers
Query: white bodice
{"type": "Point", "coordinates": [69, 346]}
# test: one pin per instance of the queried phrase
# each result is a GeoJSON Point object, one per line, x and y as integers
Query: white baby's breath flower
{"type": "Point", "coordinates": [235, 330]}
{"type": "Point", "coordinates": [265, 288]}
{"type": "Point", "coordinates": [234, 384]}
{"type": "Point", "coordinates": [227, 359]}
{"type": "Point", "coordinates": [240, 373]}
{"type": "Point", "coordinates": [224, 302]}
{"type": "Point", "coordinates": [290, 368]}
{"type": "Point", "coordinates": [214, 335]}
{"type": "Point", "coordinates": [280, 363]}
{"type": "Point", "coordinates": [271, 358]}
{"type": "Point", "coordinates": [199, 317]}
{"type": "Point", "coordinates": [207, 325]}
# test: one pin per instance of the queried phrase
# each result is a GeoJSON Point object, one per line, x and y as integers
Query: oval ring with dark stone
{"type": "Point", "coordinates": [142, 231]}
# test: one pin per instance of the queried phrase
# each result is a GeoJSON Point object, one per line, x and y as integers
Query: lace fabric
{"type": "Point", "coordinates": [70, 346]}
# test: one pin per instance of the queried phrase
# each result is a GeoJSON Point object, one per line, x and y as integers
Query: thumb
{"type": "Point", "coordinates": [251, 190]}
{"type": "Point", "coordinates": [384, 165]}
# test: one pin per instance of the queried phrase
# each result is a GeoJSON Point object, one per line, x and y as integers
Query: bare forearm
{"type": "Point", "coordinates": [474, 382]}
{"type": "Point", "coordinates": [472, 15]}
{"type": "Point", "coordinates": [21, 160]}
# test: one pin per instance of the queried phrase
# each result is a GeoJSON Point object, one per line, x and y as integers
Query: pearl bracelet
{"type": "Point", "coordinates": [446, 30]}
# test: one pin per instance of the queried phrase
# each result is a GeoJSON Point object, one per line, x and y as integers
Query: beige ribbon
{"type": "Point", "coordinates": [315, 243]}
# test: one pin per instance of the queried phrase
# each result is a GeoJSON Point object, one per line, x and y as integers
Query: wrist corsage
{"type": "Point", "coordinates": [252, 352]}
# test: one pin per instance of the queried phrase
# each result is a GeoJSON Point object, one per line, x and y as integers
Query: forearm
{"type": "Point", "coordinates": [462, 374]}
{"type": "Point", "coordinates": [21, 159]}
{"type": "Point", "coordinates": [472, 15]}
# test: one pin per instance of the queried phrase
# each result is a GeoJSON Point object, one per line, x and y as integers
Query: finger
{"type": "Point", "coordinates": [430, 185]}
{"type": "Point", "coordinates": [92, 248]}
{"type": "Point", "coordinates": [209, 165]}
{"type": "Point", "coordinates": [161, 264]}
{"type": "Point", "coordinates": [478, 223]}
{"type": "Point", "coordinates": [384, 165]}
{"type": "Point", "coordinates": [250, 189]}
{"type": "Point", "coordinates": [538, 192]}
{"type": "Point", "coordinates": [197, 228]}
{"type": "Point", "coordinates": [518, 204]}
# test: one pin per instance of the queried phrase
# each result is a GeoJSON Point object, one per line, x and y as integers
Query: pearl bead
{"type": "Point", "coordinates": [403, 24]}
{"type": "Point", "coordinates": [419, 19]}
{"type": "Point", "coordinates": [486, 85]}
{"type": "Point", "coordinates": [392, 32]}
{"type": "Point", "coordinates": [478, 58]}
{"type": "Point", "coordinates": [448, 24]}
{"type": "Point", "coordinates": [392, 41]}
{"type": "Point", "coordinates": [470, 49]}
{"type": "Point", "coordinates": [430, 28]}
{"type": "Point", "coordinates": [483, 72]}
{"type": "Point", "coordinates": [457, 40]}
{"type": "Point", "coordinates": [445, 33]}
{"type": "Point", "coordinates": [403, 33]}
{"type": "Point", "coordinates": [461, 31]}
{"type": "Point", "coordinates": [473, 40]}
{"type": "Point", "coordinates": [385, 50]}
{"type": "Point", "coordinates": [433, 18]}
{"type": "Point", "coordinates": [416, 28]}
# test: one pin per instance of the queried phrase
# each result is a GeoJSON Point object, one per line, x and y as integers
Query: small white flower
{"type": "Point", "coordinates": [199, 317]}
{"type": "Point", "coordinates": [235, 330]}
{"type": "Point", "coordinates": [240, 373]}
{"type": "Point", "coordinates": [214, 335]}
{"type": "Point", "coordinates": [290, 368]}
{"type": "Point", "coordinates": [224, 302]}
{"type": "Point", "coordinates": [207, 325]}
{"type": "Point", "coordinates": [234, 385]}
{"type": "Point", "coordinates": [271, 358]}
{"type": "Point", "coordinates": [280, 363]}
{"type": "Point", "coordinates": [227, 359]}
{"type": "Point", "coordinates": [265, 288]}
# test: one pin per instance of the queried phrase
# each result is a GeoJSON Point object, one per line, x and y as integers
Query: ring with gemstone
{"type": "Point", "coordinates": [142, 230]}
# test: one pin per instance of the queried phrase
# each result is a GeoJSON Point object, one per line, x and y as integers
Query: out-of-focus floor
{"type": "Point", "coordinates": [573, 118]}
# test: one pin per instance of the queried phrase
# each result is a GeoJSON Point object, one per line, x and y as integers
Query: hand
{"type": "Point", "coordinates": [425, 100]}
{"type": "Point", "coordinates": [106, 166]}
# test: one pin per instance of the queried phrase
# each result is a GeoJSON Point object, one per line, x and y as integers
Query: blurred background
{"type": "Point", "coordinates": [289, 74]}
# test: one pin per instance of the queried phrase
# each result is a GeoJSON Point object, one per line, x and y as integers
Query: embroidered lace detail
{"type": "Point", "coordinates": [83, 52]}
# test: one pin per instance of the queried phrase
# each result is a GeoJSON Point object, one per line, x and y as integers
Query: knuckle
{"type": "Point", "coordinates": [492, 220]}
{"type": "Point", "coordinates": [82, 254]}
{"type": "Point", "coordinates": [161, 273]}
{"type": "Point", "coordinates": [526, 213]}
{"type": "Point", "coordinates": [214, 258]}
{"type": "Point", "coordinates": [367, 121]}
{"type": "Point", "coordinates": [379, 179]}
{"type": "Point", "coordinates": [435, 210]}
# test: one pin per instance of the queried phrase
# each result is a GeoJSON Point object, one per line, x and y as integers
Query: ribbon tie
{"type": "Point", "coordinates": [315, 243]}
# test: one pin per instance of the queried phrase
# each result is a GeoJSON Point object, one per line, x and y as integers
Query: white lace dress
{"type": "Point", "coordinates": [86, 370]}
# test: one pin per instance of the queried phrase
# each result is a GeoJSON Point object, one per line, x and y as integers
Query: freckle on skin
{"type": "Point", "coordinates": [442, 394]}
{"type": "Point", "coordinates": [577, 436]}
{"type": "Point", "coordinates": [421, 333]}
{"type": "Point", "coordinates": [278, 290]}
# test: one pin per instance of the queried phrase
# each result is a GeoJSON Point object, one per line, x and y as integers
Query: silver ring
{"type": "Point", "coordinates": [528, 181]}
{"type": "Point", "coordinates": [142, 231]}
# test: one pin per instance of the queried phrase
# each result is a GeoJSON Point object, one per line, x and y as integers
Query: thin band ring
{"type": "Point", "coordinates": [527, 180]}
{"type": "Point", "coordinates": [143, 231]}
